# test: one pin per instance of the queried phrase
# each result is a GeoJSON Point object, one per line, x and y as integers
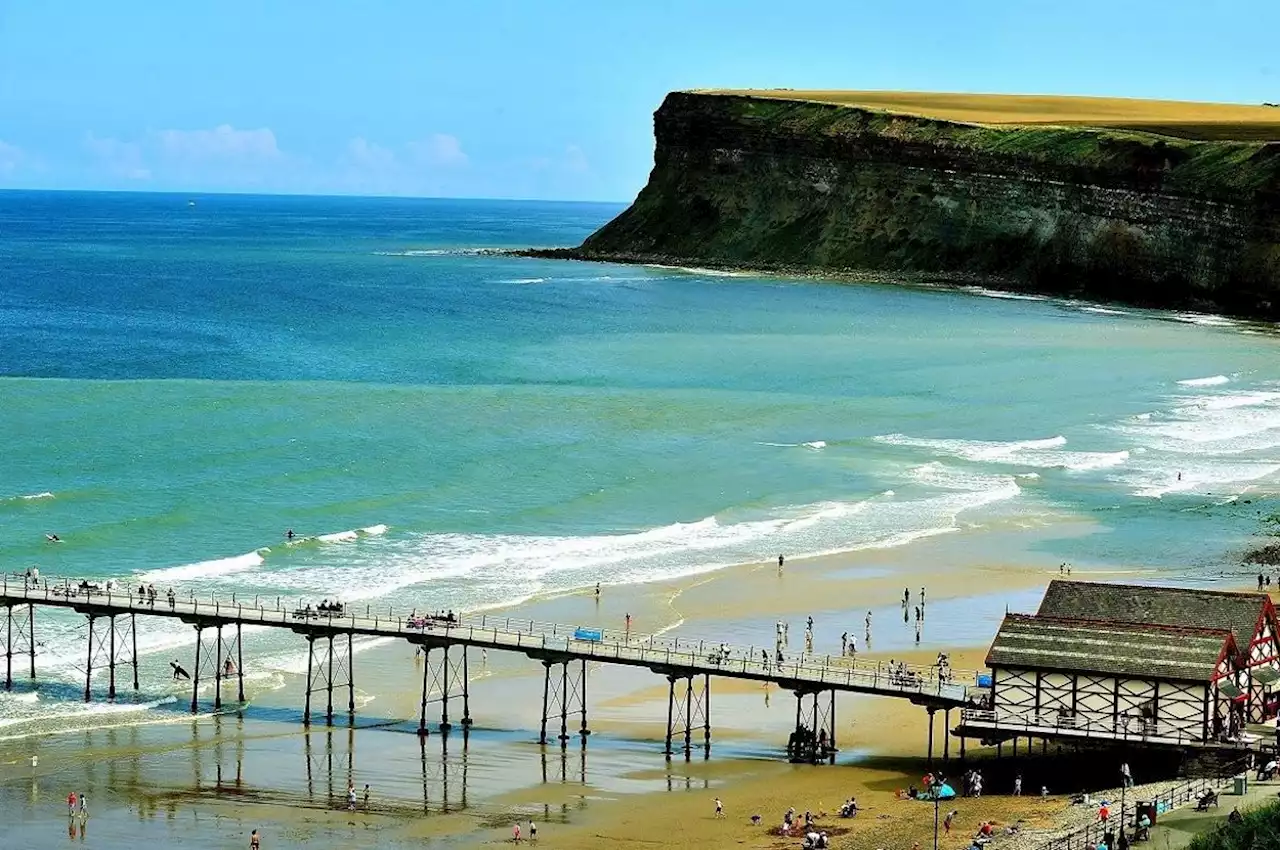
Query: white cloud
{"type": "Point", "coordinates": [120, 159]}
{"type": "Point", "coordinates": [361, 153]}
{"type": "Point", "coordinates": [11, 156]}
{"type": "Point", "coordinates": [439, 149]}
{"type": "Point", "coordinates": [223, 142]}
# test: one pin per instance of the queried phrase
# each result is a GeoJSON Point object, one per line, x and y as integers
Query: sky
{"type": "Point", "coordinates": [547, 99]}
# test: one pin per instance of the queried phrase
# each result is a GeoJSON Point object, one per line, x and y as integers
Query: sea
{"type": "Point", "coordinates": [185, 379]}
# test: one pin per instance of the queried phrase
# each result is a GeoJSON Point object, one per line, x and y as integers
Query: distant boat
{"type": "Point", "coordinates": [191, 203]}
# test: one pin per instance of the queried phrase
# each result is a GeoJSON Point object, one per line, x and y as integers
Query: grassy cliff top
{"type": "Point", "coordinates": [1173, 118]}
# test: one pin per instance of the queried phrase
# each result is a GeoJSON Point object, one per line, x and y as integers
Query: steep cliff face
{"type": "Point", "coordinates": [798, 185]}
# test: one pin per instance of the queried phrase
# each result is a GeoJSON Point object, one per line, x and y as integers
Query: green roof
{"type": "Point", "coordinates": [1142, 651]}
{"type": "Point", "coordinates": [1157, 606]}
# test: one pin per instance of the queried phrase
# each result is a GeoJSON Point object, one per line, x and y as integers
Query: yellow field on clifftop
{"type": "Point", "coordinates": [1181, 119]}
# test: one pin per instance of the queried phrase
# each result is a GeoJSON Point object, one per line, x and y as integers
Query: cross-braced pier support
{"type": "Point", "coordinates": [219, 656]}
{"type": "Point", "coordinates": [444, 679]}
{"type": "Point", "coordinates": [814, 738]}
{"type": "Point", "coordinates": [688, 707]}
{"type": "Point", "coordinates": [114, 642]}
{"type": "Point", "coordinates": [329, 664]}
{"type": "Point", "coordinates": [564, 692]}
{"type": "Point", "coordinates": [19, 638]}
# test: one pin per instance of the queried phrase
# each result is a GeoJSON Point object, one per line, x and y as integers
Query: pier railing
{"type": "Point", "coordinates": [1123, 728]}
{"type": "Point", "coordinates": [523, 634]}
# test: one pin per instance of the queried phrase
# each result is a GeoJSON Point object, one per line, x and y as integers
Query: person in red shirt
{"type": "Point", "coordinates": [1104, 812]}
{"type": "Point", "coordinates": [71, 804]}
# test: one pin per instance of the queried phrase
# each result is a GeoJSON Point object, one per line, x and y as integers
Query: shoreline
{"type": "Point", "coordinates": [960, 282]}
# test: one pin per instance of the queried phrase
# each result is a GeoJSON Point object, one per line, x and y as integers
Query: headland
{"type": "Point", "coordinates": [1153, 203]}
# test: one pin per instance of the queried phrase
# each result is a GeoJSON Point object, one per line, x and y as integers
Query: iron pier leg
{"type": "Point", "coordinates": [1015, 747]}
{"type": "Point", "coordinates": [796, 737]}
{"type": "Point", "coordinates": [111, 662]}
{"type": "Point", "coordinates": [832, 737]}
{"type": "Point", "coordinates": [814, 760]}
{"type": "Point", "coordinates": [961, 748]}
{"type": "Point", "coordinates": [931, 737]}
{"type": "Point", "coordinates": [426, 671]}
{"type": "Point", "coordinates": [31, 635]}
{"type": "Point", "coordinates": [445, 725]}
{"type": "Point", "coordinates": [706, 715]}
{"type": "Point", "coordinates": [217, 670]}
{"type": "Point", "coordinates": [239, 664]}
{"type": "Point", "coordinates": [688, 717]}
{"type": "Point", "coordinates": [546, 695]}
{"type": "Point", "coordinates": [564, 705]}
{"type": "Point", "coordinates": [133, 636]}
{"type": "Point", "coordinates": [351, 676]}
{"type": "Point", "coordinates": [311, 660]}
{"type": "Point", "coordinates": [195, 674]}
{"type": "Point", "coordinates": [8, 651]}
{"type": "Point", "coordinates": [466, 691]}
{"type": "Point", "coordinates": [329, 685]}
{"type": "Point", "coordinates": [88, 669]}
{"type": "Point", "coordinates": [671, 703]}
{"type": "Point", "coordinates": [584, 731]}
{"type": "Point", "coordinates": [946, 736]}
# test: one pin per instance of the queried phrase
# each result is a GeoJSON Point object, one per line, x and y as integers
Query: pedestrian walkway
{"type": "Point", "coordinates": [1177, 828]}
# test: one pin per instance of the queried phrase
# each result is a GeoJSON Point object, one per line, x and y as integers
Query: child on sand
{"type": "Point", "coordinates": [719, 808]}
{"type": "Point", "coordinates": [515, 834]}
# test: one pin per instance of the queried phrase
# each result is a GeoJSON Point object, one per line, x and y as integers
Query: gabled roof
{"type": "Point", "coordinates": [1159, 606]}
{"type": "Point", "coordinates": [1140, 650]}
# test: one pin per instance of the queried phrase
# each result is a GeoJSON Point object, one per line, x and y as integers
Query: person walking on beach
{"type": "Point", "coordinates": [917, 631]}
{"type": "Point", "coordinates": [844, 644]}
{"type": "Point", "coordinates": [780, 560]}
{"type": "Point", "coordinates": [628, 625]}
{"type": "Point", "coordinates": [948, 820]}
{"type": "Point", "coordinates": [922, 601]}
{"type": "Point", "coordinates": [868, 627]}
{"type": "Point", "coordinates": [351, 796]}
{"type": "Point", "coordinates": [84, 805]}
{"type": "Point", "coordinates": [1017, 785]}
{"type": "Point", "coordinates": [71, 804]}
{"type": "Point", "coordinates": [906, 597]}
{"type": "Point", "coordinates": [719, 808]}
{"type": "Point", "coordinates": [533, 831]}
{"type": "Point", "coordinates": [1126, 778]}
{"type": "Point", "coordinates": [597, 591]}
{"type": "Point", "coordinates": [853, 647]}
{"type": "Point", "coordinates": [515, 834]}
{"type": "Point", "coordinates": [255, 843]}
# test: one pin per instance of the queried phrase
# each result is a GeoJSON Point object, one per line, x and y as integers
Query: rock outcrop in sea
{"type": "Point", "coordinates": [800, 186]}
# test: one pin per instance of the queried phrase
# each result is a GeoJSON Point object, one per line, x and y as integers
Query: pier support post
{"type": "Point", "coordinates": [239, 665]}
{"type": "Point", "coordinates": [546, 694]}
{"type": "Point", "coordinates": [946, 736]}
{"type": "Point", "coordinates": [111, 657]}
{"type": "Point", "coordinates": [133, 638]}
{"type": "Point", "coordinates": [564, 692]}
{"type": "Point", "coordinates": [328, 685]}
{"type": "Point", "coordinates": [814, 738]}
{"type": "Point", "coordinates": [689, 710]}
{"type": "Point", "coordinates": [445, 678]}
{"type": "Point", "coordinates": [88, 667]}
{"type": "Point", "coordinates": [351, 677]}
{"type": "Point", "coordinates": [195, 673]}
{"type": "Point", "coordinates": [8, 649]}
{"type": "Point", "coordinates": [31, 636]}
{"type": "Point", "coordinates": [931, 711]}
{"type": "Point", "coordinates": [19, 634]}
{"type": "Point", "coordinates": [426, 673]}
{"type": "Point", "coordinates": [217, 668]}
{"type": "Point", "coordinates": [466, 691]}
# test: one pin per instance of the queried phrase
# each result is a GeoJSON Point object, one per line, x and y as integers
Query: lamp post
{"type": "Point", "coordinates": [937, 798]}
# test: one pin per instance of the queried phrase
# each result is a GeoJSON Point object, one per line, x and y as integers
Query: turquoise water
{"type": "Point", "coordinates": [181, 384]}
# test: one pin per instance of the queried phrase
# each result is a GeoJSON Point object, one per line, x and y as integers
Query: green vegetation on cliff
{"type": "Point", "coordinates": [798, 184]}
{"type": "Point", "coordinates": [1257, 829]}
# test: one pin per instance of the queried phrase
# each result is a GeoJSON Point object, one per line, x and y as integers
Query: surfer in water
{"type": "Point", "coordinates": [53, 538]}
{"type": "Point", "coordinates": [288, 535]}
{"type": "Point", "coordinates": [178, 672]}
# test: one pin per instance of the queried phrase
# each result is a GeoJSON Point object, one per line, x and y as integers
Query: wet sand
{"type": "Point", "coordinates": [207, 782]}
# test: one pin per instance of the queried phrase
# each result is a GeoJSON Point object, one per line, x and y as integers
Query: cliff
{"type": "Point", "coordinates": [1116, 214]}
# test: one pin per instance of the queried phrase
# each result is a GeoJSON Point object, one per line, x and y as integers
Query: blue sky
{"type": "Point", "coordinates": [536, 99]}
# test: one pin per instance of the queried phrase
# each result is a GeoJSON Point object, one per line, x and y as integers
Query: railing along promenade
{"type": "Point", "coordinates": [539, 639]}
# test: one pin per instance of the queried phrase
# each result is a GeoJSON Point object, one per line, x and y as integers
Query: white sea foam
{"type": "Point", "coordinates": [1106, 311]}
{"type": "Point", "coordinates": [998, 293]}
{"type": "Point", "coordinates": [1205, 382]}
{"type": "Point", "coordinates": [1205, 319]}
{"type": "Point", "coordinates": [816, 444]}
{"type": "Point", "coordinates": [1042, 453]}
{"type": "Point", "coordinates": [431, 252]}
{"type": "Point", "coordinates": [33, 496]}
{"type": "Point", "coordinates": [338, 537]}
{"type": "Point", "coordinates": [524, 280]}
{"type": "Point", "coordinates": [697, 270]}
{"type": "Point", "coordinates": [215, 568]}
{"type": "Point", "coordinates": [374, 530]}
{"type": "Point", "coordinates": [475, 571]}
